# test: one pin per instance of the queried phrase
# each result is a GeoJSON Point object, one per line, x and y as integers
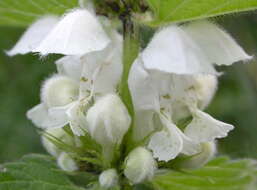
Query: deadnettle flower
{"type": "Point", "coordinates": [91, 68]}
{"type": "Point", "coordinates": [173, 80]}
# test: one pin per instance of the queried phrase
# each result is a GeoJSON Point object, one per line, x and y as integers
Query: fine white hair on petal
{"type": "Point", "coordinates": [70, 66]}
{"type": "Point", "coordinates": [33, 35]}
{"type": "Point", "coordinates": [40, 116]}
{"type": "Point", "coordinates": [59, 90]}
{"type": "Point", "coordinates": [79, 32]}
{"type": "Point", "coordinates": [217, 45]}
{"type": "Point", "coordinates": [172, 51]}
{"type": "Point", "coordinates": [205, 128]}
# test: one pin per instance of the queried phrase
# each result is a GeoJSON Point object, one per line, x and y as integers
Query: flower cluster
{"type": "Point", "coordinates": [85, 122]}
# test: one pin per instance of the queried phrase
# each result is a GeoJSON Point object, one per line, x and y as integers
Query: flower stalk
{"type": "Point", "coordinates": [131, 47]}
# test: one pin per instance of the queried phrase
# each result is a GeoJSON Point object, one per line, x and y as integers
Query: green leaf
{"type": "Point", "coordinates": [219, 174]}
{"type": "Point", "coordinates": [24, 12]}
{"type": "Point", "coordinates": [34, 172]}
{"type": "Point", "coordinates": [167, 11]}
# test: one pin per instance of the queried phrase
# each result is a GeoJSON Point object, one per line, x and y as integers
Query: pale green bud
{"type": "Point", "coordinates": [207, 153]}
{"type": "Point", "coordinates": [59, 91]}
{"type": "Point", "coordinates": [140, 165]}
{"type": "Point", "coordinates": [58, 133]}
{"type": "Point", "coordinates": [108, 121]}
{"type": "Point", "coordinates": [66, 162]}
{"type": "Point", "coordinates": [109, 178]}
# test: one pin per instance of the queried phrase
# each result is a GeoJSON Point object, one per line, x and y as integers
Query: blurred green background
{"type": "Point", "coordinates": [235, 101]}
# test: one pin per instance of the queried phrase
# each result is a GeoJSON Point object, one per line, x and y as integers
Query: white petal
{"type": "Point", "coordinates": [102, 70]}
{"type": "Point", "coordinates": [166, 144]}
{"type": "Point", "coordinates": [219, 47]}
{"type": "Point", "coordinates": [189, 146]}
{"type": "Point", "coordinates": [77, 118]}
{"type": "Point", "coordinates": [204, 128]}
{"type": "Point", "coordinates": [144, 124]}
{"type": "Point", "coordinates": [70, 66]}
{"type": "Point", "coordinates": [41, 117]}
{"type": "Point", "coordinates": [144, 94]}
{"type": "Point", "coordinates": [78, 33]}
{"type": "Point", "coordinates": [173, 51]}
{"type": "Point", "coordinates": [33, 35]}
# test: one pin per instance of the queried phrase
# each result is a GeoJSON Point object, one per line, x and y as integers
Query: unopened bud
{"type": "Point", "coordinates": [59, 91]}
{"type": "Point", "coordinates": [66, 162]}
{"type": "Point", "coordinates": [109, 178]}
{"type": "Point", "coordinates": [140, 165]}
{"type": "Point", "coordinates": [108, 120]}
{"type": "Point", "coordinates": [200, 159]}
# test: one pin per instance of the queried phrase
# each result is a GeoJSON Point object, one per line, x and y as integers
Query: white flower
{"type": "Point", "coordinates": [80, 80]}
{"type": "Point", "coordinates": [66, 162]}
{"type": "Point", "coordinates": [172, 80]}
{"type": "Point", "coordinates": [108, 178]}
{"type": "Point", "coordinates": [192, 49]}
{"type": "Point", "coordinates": [161, 100]}
{"type": "Point", "coordinates": [140, 165]}
{"type": "Point", "coordinates": [108, 121]}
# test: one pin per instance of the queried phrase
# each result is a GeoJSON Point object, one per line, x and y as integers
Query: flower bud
{"type": "Point", "coordinates": [200, 159]}
{"type": "Point", "coordinates": [109, 178]}
{"type": "Point", "coordinates": [60, 134]}
{"type": "Point", "coordinates": [140, 165]}
{"type": "Point", "coordinates": [108, 120]}
{"type": "Point", "coordinates": [66, 163]}
{"type": "Point", "coordinates": [59, 91]}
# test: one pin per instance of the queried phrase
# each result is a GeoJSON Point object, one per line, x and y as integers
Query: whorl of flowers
{"type": "Point", "coordinates": [85, 122]}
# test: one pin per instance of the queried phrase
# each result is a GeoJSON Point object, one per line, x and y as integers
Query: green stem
{"type": "Point", "coordinates": [131, 46]}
